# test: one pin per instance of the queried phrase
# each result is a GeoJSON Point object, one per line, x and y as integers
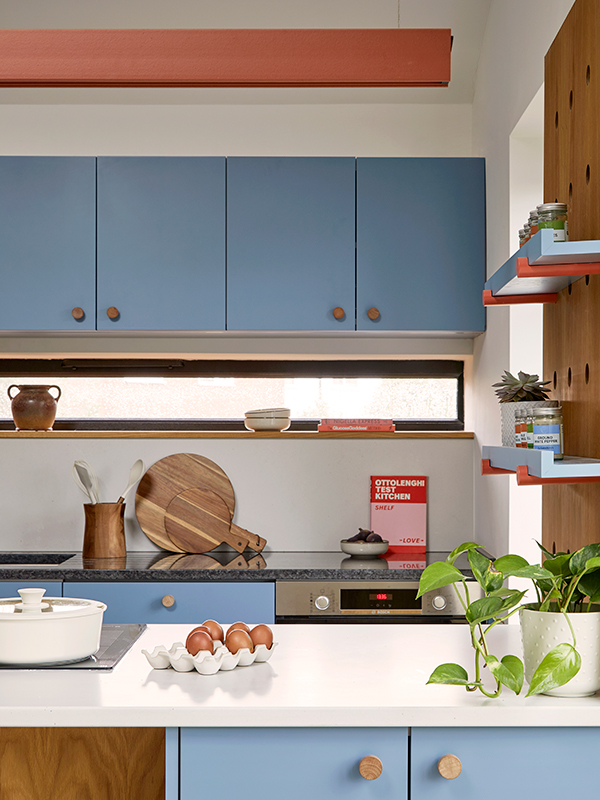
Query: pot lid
{"type": "Point", "coordinates": [31, 606]}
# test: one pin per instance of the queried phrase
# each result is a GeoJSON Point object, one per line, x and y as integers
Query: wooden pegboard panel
{"type": "Point", "coordinates": [571, 514]}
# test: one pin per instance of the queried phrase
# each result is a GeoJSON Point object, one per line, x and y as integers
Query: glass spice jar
{"type": "Point", "coordinates": [521, 237]}
{"type": "Point", "coordinates": [554, 216]}
{"type": "Point", "coordinates": [529, 429]}
{"type": "Point", "coordinates": [548, 430]}
{"type": "Point", "coordinates": [527, 230]}
{"type": "Point", "coordinates": [533, 222]}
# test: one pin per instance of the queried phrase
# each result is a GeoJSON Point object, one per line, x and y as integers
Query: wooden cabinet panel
{"type": "Point", "coordinates": [47, 243]}
{"type": "Point", "coordinates": [82, 763]}
{"type": "Point", "coordinates": [290, 243]}
{"type": "Point", "coordinates": [193, 602]}
{"type": "Point", "coordinates": [161, 243]}
{"type": "Point", "coordinates": [295, 763]}
{"type": "Point", "coordinates": [420, 244]}
{"type": "Point", "coordinates": [528, 756]}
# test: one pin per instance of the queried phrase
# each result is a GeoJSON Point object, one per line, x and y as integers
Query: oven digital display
{"type": "Point", "coordinates": [379, 600]}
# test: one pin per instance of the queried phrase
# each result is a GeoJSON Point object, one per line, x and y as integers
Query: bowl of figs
{"type": "Point", "coordinates": [365, 543]}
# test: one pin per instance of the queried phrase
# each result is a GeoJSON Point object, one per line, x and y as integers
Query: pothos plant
{"type": "Point", "coordinates": [564, 583]}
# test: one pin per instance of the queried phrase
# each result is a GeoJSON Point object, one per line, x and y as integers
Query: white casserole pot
{"type": "Point", "coordinates": [55, 630]}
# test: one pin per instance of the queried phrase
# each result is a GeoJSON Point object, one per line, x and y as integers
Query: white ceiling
{"type": "Point", "coordinates": [466, 19]}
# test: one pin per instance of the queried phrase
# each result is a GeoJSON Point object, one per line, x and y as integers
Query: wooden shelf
{"type": "Point", "coordinates": [540, 269]}
{"type": "Point", "coordinates": [538, 467]}
{"type": "Point", "coordinates": [242, 435]}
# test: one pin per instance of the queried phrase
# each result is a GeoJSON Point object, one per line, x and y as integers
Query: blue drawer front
{"type": "Point", "coordinates": [500, 763]}
{"type": "Point", "coordinates": [292, 763]}
{"type": "Point", "coordinates": [420, 229]}
{"type": "Point", "coordinates": [290, 243]}
{"type": "Point", "coordinates": [47, 242]}
{"type": "Point", "coordinates": [10, 588]}
{"type": "Point", "coordinates": [161, 243]}
{"type": "Point", "coordinates": [194, 602]}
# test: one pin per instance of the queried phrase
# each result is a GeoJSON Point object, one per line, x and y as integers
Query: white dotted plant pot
{"type": "Point", "coordinates": [543, 630]}
{"type": "Point", "coordinates": [507, 417]}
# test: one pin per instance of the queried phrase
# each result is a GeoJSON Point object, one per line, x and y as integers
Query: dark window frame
{"type": "Point", "coordinates": [232, 368]}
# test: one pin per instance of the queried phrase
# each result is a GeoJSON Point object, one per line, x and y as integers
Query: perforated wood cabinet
{"type": "Point", "coordinates": [571, 514]}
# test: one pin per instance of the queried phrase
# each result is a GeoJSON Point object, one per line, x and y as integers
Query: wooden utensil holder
{"type": "Point", "coordinates": [104, 534]}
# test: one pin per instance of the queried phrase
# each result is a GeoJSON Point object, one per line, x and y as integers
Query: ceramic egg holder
{"type": "Point", "coordinates": [179, 659]}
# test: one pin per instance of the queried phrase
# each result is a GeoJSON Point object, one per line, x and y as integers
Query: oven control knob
{"type": "Point", "coordinates": [322, 602]}
{"type": "Point", "coordinates": [439, 602]}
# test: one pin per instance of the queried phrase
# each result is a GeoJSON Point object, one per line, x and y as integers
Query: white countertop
{"type": "Point", "coordinates": [319, 675]}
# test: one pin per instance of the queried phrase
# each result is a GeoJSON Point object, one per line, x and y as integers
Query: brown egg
{"type": "Point", "coordinates": [202, 627]}
{"type": "Point", "coordinates": [241, 626]}
{"type": "Point", "coordinates": [238, 639]}
{"type": "Point", "coordinates": [262, 634]}
{"type": "Point", "coordinates": [199, 640]}
{"type": "Point", "coordinates": [216, 631]}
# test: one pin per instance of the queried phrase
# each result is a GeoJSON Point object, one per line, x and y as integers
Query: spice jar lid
{"type": "Point", "coordinates": [533, 215]}
{"type": "Point", "coordinates": [547, 412]}
{"type": "Point", "coordinates": [551, 207]}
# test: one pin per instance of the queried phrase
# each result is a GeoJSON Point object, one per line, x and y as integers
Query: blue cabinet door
{"type": "Point", "coordinates": [193, 602]}
{"type": "Point", "coordinates": [10, 588]}
{"type": "Point", "coordinates": [295, 763]}
{"type": "Point", "coordinates": [161, 243]}
{"type": "Point", "coordinates": [420, 228]}
{"type": "Point", "coordinates": [47, 243]}
{"type": "Point", "coordinates": [498, 763]}
{"type": "Point", "coordinates": [290, 243]}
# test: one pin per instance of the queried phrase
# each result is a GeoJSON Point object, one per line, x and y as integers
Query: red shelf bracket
{"type": "Point", "coordinates": [525, 270]}
{"type": "Point", "coordinates": [487, 469]}
{"type": "Point", "coordinates": [513, 299]}
{"type": "Point", "coordinates": [525, 479]}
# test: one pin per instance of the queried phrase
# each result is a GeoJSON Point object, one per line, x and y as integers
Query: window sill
{"type": "Point", "coordinates": [235, 435]}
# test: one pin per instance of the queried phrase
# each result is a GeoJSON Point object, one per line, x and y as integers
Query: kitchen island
{"type": "Point", "coordinates": [329, 696]}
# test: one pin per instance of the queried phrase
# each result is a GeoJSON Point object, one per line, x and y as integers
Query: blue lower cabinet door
{"type": "Point", "coordinates": [420, 244]}
{"type": "Point", "coordinates": [292, 763]}
{"type": "Point", "coordinates": [10, 588]}
{"type": "Point", "coordinates": [501, 763]}
{"type": "Point", "coordinates": [48, 243]}
{"type": "Point", "coordinates": [161, 243]}
{"type": "Point", "coordinates": [180, 602]}
{"type": "Point", "coordinates": [290, 244]}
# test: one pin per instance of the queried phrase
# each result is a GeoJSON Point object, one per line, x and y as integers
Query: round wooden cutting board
{"type": "Point", "coordinates": [168, 478]}
{"type": "Point", "coordinates": [198, 520]}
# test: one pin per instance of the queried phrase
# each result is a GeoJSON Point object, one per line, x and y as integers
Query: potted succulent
{"type": "Point", "coordinates": [523, 392]}
{"type": "Point", "coordinates": [557, 629]}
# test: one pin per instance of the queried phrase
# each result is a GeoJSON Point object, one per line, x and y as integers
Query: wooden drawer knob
{"type": "Point", "coordinates": [449, 767]}
{"type": "Point", "coordinates": [168, 601]}
{"type": "Point", "coordinates": [78, 313]}
{"type": "Point", "coordinates": [370, 767]}
{"type": "Point", "coordinates": [339, 313]}
{"type": "Point", "coordinates": [373, 313]}
{"type": "Point", "coordinates": [112, 312]}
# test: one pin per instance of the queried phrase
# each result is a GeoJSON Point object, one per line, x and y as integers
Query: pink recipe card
{"type": "Point", "coordinates": [399, 511]}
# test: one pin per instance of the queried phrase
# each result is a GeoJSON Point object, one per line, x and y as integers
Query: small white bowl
{"type": "Point", "coordinates": [364, 549]}
{"type": "Point", "coordinates": [269, 412]}
{"type": "Point", "coordinates": [267, 423]}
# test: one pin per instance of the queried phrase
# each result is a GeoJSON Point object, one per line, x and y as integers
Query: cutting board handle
{"type": "Point", "coordinates": [255, 542]}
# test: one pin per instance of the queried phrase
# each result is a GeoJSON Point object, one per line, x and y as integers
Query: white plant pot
{"type": "Point", "coordinates": [507, 417]}
{"type": "Point", "coordinates": [543, 630]}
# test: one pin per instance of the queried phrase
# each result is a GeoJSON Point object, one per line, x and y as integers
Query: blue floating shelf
{"type": "Point", "coordinates": [541, 268]}
{"type": "Point", "coordinates": [538, 466]}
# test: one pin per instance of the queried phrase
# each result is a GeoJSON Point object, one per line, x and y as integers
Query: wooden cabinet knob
{"type": "Point", "coordinates": [373, 313]}
{"type": "Point", "coordinates": [78, 313]}
{"type": "Point", "coordinates": [370, 767]}
{"type": "Point", "coordinates": [339, 313]}
{"type": "Point", "coordinates": [449, 767]}
{"type": "Point", "coordinates": [168, 601]}
{"type": "Point", "coordinates": [112, 312]}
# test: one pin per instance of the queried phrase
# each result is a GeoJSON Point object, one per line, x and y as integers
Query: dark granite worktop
{"type": "Point", "coordinates": [214, 566]}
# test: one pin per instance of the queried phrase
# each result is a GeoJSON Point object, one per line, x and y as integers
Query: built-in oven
{"type": "Point", "coordinates": [372, 601]}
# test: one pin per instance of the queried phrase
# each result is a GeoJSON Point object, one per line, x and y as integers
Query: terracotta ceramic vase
{"type": "Point", "coordinates": [33, 408]}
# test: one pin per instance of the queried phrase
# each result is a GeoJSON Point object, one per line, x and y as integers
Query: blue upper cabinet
{"type": "Point", "coordinates": [161, 243]}
{"type": "Point", "coordinates": [47, 243]}
{"type": "Point", "coordinates": [420, 244]}
{"type": "Point", "coordinates": [290, 243]}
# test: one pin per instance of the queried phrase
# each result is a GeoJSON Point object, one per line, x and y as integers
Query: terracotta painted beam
{"type": "Point", "coordinates": [225, 58]}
